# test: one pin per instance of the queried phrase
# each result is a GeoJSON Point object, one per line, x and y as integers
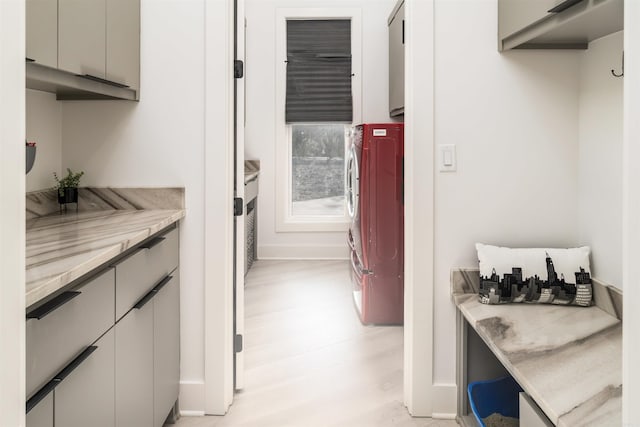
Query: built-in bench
{"type": "Point", "coordinates": [567, 359]}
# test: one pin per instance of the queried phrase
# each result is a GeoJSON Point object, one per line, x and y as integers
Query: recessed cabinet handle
{"type": "Point", "coordinates": [51, 385]}
{"type": "Point", "coordinates": [152, 293]}
{"type": "Point", "coordinates": [101, 80]}
{"type": "Point", "coordinates": [75, 363]}
{"type": "Point", "coordinates": [41, 394]}
{"type": "Point", "coordinates": [151, 243]}
{"type": "Point", "coordinates": [564, 6]}
{"type": "Point", "coordinates": [53, 305]}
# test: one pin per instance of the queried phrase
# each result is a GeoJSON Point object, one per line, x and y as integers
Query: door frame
{"type": "Point", "coordinates": [420, 397]}
{"type": "Point", "coordinates": [419, 390]}
{"type": "Point", "coordinates": [12, 226]}
{"type": "Point", "coordinates": [219, 222]}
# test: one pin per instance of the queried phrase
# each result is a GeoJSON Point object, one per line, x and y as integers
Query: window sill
{"type": "Point", "coordinates": [312, 224]}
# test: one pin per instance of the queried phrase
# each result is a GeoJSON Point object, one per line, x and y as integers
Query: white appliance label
{"type": "Point", "coordinates": [379, 132]}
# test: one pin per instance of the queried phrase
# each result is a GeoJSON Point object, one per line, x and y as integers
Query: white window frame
{"type": "Point", "coordinates": [285, 220]}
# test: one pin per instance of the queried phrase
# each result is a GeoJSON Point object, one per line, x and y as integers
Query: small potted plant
{"type": "Point", "coordinates": [67, 187]}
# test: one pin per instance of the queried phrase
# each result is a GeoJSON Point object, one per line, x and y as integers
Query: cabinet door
{"type": "Point", "coordinates": [123, 42]}
{"type": "Point", "coordinates": [396, 63]}
{"type": "Point", "coordinates": [515, 15]}
{"type": "Point", "coordinates": [134, 368]}
{"type": "Point", "coordinates": [81, 36]}
{"type": "Point", "coordinates": [166, 348]}
{"type": "Point", "coordinates": [86, 396]}
{"type": "Point", "coordinates": [42, 31]}
{"type": "Point", "coordinates": [42, 414]}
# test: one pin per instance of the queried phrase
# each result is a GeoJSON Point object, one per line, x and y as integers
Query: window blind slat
{"type": "Point", "coordinates": [318, 71]}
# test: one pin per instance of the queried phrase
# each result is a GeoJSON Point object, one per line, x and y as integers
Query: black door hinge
{"type": "Point", "coordinates": [238, 204]}
{"type": "Point", "coordinates": [238, 343]}
{"type": "Point", "coordinates": [238, 69]}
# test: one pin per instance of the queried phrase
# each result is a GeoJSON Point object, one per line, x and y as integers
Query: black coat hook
{"type": "Point", "coordinates": [621, 73]}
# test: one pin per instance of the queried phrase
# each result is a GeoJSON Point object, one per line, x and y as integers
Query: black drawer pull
{"type": "Point", "coordinates": [52, 305]}
{"type": "Point", "coordinates": [152, 293]}
{"type": "Point", "coordinates": [41, 394]}
{"type": "Point", "coordinates": [564, 6]}
{"type": "Point", "coordinates": [162, 283]}
{"type": "Point", "coordinates": [51, 385]}
{"type": "Point", "coordinates": [75, 363]}
{"type": "Point", "coordinates": [151, 243]}
{"type": "Point", "coordinates": [101, 80]}
{"type": "Point", "coordinates": [30, 59]}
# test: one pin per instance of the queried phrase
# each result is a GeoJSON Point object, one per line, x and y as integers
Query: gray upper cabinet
{"type": "Point", "coordinates": [42, 31]}
{"type": "Point", "coordinates": [91, 48]}
{"type": "Point", "coordinates": [556, 24]}
{"type": "Point", "coordinates": [123, 42]}
{"type": "Point", "coordinates": [82, 39]}
{"type": "Point", "coordinates": [396, 60]}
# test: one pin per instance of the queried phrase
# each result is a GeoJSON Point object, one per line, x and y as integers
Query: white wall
{"type": "Point", "coordinates": [514, 120]}
{"type": "Point", "coordinates": [155, 143]}
{"type": "Point", "coordinates": [600, 159]}
{"type": "Point", "coordinates": [12, 223]}
{"type": "Point", "coordinates": [44, 127]}
{"type": "Point", "coordinates": [261, 104]}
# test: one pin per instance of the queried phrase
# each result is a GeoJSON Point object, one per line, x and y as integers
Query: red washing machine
{"type": "Point", "coordinates": [376, 234]}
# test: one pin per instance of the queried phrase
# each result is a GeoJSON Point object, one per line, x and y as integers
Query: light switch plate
{"type": "Point", "coordinates": [447, 161]}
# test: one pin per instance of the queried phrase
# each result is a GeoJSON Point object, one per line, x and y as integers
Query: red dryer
{"type": "Point", "coordinates": [376, 234]}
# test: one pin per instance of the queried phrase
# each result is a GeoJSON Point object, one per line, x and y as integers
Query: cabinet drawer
{"type": "Point", "coordinates": [60, 335]}
{"type": "Point", "coordinates": [139, 273]}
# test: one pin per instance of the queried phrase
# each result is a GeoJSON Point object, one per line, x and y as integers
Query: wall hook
{"type": "Point", "coordinates": [622, 72]}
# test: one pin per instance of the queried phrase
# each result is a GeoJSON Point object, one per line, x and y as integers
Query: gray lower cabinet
{"type": "Point", "coordinates": [86, 396]}
{"type": "Point", "coordinates": [42, 414]}
{"type": "Point", "coordinates": [134, 368]}
{"type": "Point", "coordinates": [148, 333]}
{"type": "Point", "coordinates": [166, 348]}
{"type": "Point", "coordinates": [87, 367]}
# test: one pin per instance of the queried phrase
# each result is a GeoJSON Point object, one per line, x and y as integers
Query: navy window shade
{"type": "Point", "coordinates": [319, 71]}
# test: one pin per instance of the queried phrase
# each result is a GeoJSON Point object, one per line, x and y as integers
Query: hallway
{"type": "Point", "coordinates": [308, 360]}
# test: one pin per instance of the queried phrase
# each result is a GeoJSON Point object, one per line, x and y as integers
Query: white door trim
{"type": "Point", "coordinates": [419, 207]}
{"type": "Point", "coordinates": [218, 242]}
{"type": "Point", "coordinates": [630, 212]}
{"type": "Point", "coordinates": [12, 226]}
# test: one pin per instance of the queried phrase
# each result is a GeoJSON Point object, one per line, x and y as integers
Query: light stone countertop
{"type": "Point", "coordinates": [568, 359]}
{"type": "Point", "coordinates": [62, 248]}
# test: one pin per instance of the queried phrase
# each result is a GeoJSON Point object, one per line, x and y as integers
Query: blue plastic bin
{"type": "Point", "coordinates": [491, 396]}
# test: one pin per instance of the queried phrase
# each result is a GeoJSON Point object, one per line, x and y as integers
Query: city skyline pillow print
{"type": "Point", "coordinates": [535, 275]}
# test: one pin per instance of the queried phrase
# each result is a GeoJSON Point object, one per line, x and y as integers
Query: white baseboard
{"type": "Point", "coordinates": [274, 252]}
{"type": "Point", "coordinates": [445, 401]}
{"type": "Point", "coordinates": [191, 398]}
{"type": "Point", "coordinates": [191, 413]}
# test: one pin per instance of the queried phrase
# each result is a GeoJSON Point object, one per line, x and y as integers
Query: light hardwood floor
{"type": "Point", "coordinates": [309, 360]}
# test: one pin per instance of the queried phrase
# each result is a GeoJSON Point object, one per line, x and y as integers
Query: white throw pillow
{"type": "Point", "coordinates": [542, 275]}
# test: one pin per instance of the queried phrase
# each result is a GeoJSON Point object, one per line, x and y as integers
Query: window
{"type": "Point", "coordinates": [317, 170]}
{"type": "Point", "coordinates": [318, 98]}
